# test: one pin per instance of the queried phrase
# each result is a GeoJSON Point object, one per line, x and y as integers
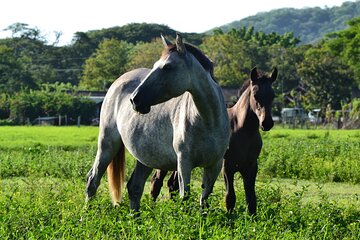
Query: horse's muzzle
{"type": "Point", "coordinates": [266, 126]}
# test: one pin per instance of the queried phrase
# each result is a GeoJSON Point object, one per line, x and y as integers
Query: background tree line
{"type": "Point", "coordinates": [318, 75]}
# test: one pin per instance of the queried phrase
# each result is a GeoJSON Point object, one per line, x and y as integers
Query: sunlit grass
{"type": "Point", "coordinates": [306, 189]}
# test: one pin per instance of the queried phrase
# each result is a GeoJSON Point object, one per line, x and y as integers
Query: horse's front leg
{"type": "Point", "coordinates": [136, 184]}
{"type": "Point", "coordinates": [249, 177]}
{"type": "Point", "coordinates": [230, 196]}
{"type": "Point", "coordinates": [209, 177]}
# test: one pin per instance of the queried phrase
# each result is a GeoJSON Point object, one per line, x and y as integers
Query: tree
{"type": "Point", "coordinates": [235, 53]}
{"type": "Point", "coordinates": [22, 30]}
{"type": "Point", "coordinates": [4, 106]}
{"type": "Point", "coordinates": [106, 64]}
{"type": "Point", "coordinates": [288, 83]}
{"type": "Point", "coordinates": [229, 54]}
{"type": "Point", "coordinates": [346, 44]}
{"type": "Point", "coordinates": [325, 78]}
{"type": "Point", "coordinates": [145, 54]}
{"type": "Point", "coordinates": [13, 73]}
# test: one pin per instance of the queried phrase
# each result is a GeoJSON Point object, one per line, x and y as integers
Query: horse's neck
{"type": "Point", "coordinates": [208, 100]}
{"type": "Point", "coordinates": [241, 115]}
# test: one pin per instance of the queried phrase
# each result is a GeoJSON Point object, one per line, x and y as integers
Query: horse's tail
{"type": "Point", "coordinates": [116, 175]}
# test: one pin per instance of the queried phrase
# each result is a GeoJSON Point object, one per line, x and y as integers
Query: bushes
{"type": "Point", "coordinates": [4, 106]}
{"type": "Point", "coordinates": [51, 100]}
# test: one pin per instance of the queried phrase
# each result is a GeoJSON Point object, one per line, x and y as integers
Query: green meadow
{"type": "Point", "coordinates": [308, 187]}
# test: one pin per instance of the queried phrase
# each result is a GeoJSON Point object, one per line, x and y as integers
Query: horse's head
{"type": "Point", "coordinates": [170, 77]}
{"type": "Point", "coordinates": [262, 96]}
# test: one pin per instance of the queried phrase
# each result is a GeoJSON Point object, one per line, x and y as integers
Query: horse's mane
{"type": "Point", "coordinates": [205, 62]}
{"type": "Point", "coordinates": [246, 84]}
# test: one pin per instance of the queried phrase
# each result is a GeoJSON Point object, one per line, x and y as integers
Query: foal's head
{"type": "Point", "coordinates": [173, 74]}
{"type": "Point", "coordinates": [262, 96]}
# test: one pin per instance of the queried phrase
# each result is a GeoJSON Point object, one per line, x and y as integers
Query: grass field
{"type": "Point", "coordinates": [308, 188]}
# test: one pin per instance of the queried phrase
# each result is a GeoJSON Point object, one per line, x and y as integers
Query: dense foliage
{"type": "Point", "coordinates": [51, 100]}
{"type": "Point", "coordinates": [105, 65]}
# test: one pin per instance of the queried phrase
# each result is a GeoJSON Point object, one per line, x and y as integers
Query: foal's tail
{"type": "Point", "coordinates": [116, 175]}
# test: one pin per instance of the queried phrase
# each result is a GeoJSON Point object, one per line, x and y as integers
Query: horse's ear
{"type": "Point", "coordinates": [274, 74]}
{"type": "Point", "coordinates": [254, 75]}
{"type": "Point", "coordinates": [180, 46]}
{"type": "Point", "coordinates": [165, 41]}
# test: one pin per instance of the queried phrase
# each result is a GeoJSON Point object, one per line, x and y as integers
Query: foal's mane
{"type": "Point", "coordinates": [261, 76]}
{"type": "Point", "coordinates": [205, 62]}
{"type": "Point", "coordinates": [243, 88]}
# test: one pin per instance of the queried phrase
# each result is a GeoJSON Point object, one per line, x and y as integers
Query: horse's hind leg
{"type": "Point", "coordinates": [156, 183]}
{"type": "Point", "coordinates": [209, 177]}
{"type": "Point", "coordinates": [136, 184]}
{"type": "Point", "coordinates": [109, 144]}
{"type": "Point", "coordinates": [249, 177]}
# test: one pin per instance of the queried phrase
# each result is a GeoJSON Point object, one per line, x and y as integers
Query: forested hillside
{"type": "Point", "coordinates": [308, 24]}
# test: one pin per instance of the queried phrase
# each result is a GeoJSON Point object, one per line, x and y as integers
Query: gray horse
{"type": "Point", "coordinates": [179, 123]}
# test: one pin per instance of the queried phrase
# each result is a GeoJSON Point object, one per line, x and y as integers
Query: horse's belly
{"type": "Point", "coordinates": [154, 156]}
{"type": "Point", "coordinates": [151, 146]}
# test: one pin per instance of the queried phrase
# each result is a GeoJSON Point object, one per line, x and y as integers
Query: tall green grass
{"type": "Point", "coordinates": [43, 177]}
{"type": "Point", "coordinates": [320, 155]}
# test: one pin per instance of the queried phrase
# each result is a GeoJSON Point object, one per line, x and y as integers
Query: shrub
{"type": "Point", "coordinates": [50, 101]}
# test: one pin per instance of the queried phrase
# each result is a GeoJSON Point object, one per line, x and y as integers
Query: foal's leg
{"type": "Point", "coordinates": [249, 177]}
{"type": "Point", "coordinates": [109, 144]}
{"type": "Point", "coordinates": [173, 184]}
{"type": "Point", "coordinates": [136, 184]}
{"type": "Point", "coordinates": [209, 177]}
{"type": "Point", "coordinates": [156, 183]}
{"type": "Point", "coordinates": [230, 197]}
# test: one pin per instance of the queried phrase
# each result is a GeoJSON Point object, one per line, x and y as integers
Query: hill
{"type": "Point", "coordinates": [140, 32]}
{"type": "Point", "coordinates": [308, 24]}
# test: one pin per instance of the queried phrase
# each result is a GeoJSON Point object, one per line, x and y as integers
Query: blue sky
{"type": "Point", "coordinates": [69, 16]}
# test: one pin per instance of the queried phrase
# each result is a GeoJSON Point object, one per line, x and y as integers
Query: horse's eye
{"type": "Point", "coordinates": [166, 67]}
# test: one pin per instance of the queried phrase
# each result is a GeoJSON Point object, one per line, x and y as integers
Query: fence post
{"type": "Point", "coordinates": [78, 121]}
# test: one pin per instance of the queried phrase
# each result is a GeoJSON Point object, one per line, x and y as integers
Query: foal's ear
{"type": "Point", "coordinates": [274, 74]}
{"type": "Point", "coordinates": [180, 46]}
{"type": "Point", "coordinates": [254, 75]}
{"type": "Point", "coordinates": [165, 41]}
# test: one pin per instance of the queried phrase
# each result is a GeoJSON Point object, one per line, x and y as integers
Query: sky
{"type": "Point", "coordinates": [70, 16]}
